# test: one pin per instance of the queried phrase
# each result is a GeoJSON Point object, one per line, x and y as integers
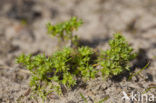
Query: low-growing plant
{"type": "Point", "coordinates": [62, 68]}
{"type": "Point", "coordinates": [84, 61]}
{"type": "Point", "coordinates": [64, 30]}
{"type": "Point", "coordinates": [116, 59]}
{"type": "Point", "coordinates": [66, 66]}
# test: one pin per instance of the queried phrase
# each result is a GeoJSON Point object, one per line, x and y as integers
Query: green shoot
{"type": "Point", "coordinates": [116, 59]}
{"type": "Point", "coordinates": [83, 97]}
{"type": "Point", "coordinates": [148, 89]}
{"type": "Point", "coordinates": [104, 99]}
{"type": "Point", "coordinates": [64, 30]}
{"type": "Point", "coordinates": [137, 73]}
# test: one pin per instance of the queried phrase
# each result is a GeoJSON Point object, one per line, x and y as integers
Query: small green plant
{"type": "Point", "coordinates": [138, 73]}
{"type": "Point", "coordinates": [116, 59]}
{"type": "Point", "coordinates": [148, 89]}
{"type": "Point", "coordinates": [84, 98]}
{"type": "Point", "coordinates": [84, 61]}
{"type": "Point", "coordinates": [104, 99]}
{"type": "Point", "coordinates": [39, 66]}
{"type": "Point", "coordinates": [68, 65]}
{"type": "Point", "coordinates": [62, 68]}
{"type": "Point", "coordinates": [64, 30]}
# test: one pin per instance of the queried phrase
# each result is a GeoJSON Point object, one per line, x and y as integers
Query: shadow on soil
{"type": "Point", "coordinates": [94, 42]}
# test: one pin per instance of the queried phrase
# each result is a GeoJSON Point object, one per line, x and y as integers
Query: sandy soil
{"type": "Point", "coordinates": [23, 30]}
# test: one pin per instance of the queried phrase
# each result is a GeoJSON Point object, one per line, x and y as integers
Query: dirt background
{"type": "Point", "coordinates": [23, 30]}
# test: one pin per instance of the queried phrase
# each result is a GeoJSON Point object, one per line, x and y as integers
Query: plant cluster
{"type": "Point", "coordinates": [116, 59]}
{"type": "Point", "coordinates": [67, 65]}
{"type": "Point", "coordinates": [64, 30]}
{"type": "Point", "coordinates": [62, 68]}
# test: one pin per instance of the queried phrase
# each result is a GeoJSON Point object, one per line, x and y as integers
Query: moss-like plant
{"type": "Point", "coordinates": [62, 68]}
{"type": "Point", "coordinates": [84, 61]}
{"type": "Point", "coordinates": [66, 66]}
{"type": "Point", "coordinates": [116, 59]}
{"type": "Point", "coordinates": [64, 31]}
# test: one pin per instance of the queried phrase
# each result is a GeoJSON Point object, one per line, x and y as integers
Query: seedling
{"type": "Point", "coordinates": [104, 99]}
{"type": "Point", "coordinates": [101, 101]}
{"type": "Point", "coordinates": [138, 73]}
{"type": "Point", "coordinates": [84, 98]}
{"type": "Point", "coordinates": [64, 30]}
{"type": "Point", "coordinates": [116, 59]}
{"type": "Point", "coordinates": [148, 89]}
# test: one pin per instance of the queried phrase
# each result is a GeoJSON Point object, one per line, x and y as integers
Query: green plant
{"type": "Point", "coordinates": [148, 89]}
{"type": "Point", "coordinates": [64, 30]}
{"type": "Point", "coordinates": [116, 59]}
{"type": "Point", "coordinates": [84, 61]}
{"type": "Point", "coordinates": [100, 101]}
{"type": "Point", "coordinates": [84, 98]}
{"type": "Point", "coordinates": [39, 66]}
{"type": "Point", "coordinates": [62, 68]}
{"type": "Point", "coordinates": [104, 99]}
{"type": "Point", "coordinates": [66, 66]}
{"type": "Point", "coordinates": [138, 73]}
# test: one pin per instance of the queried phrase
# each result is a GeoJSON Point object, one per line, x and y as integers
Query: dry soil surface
{"type": "Point", "coordinates": [23, 30]}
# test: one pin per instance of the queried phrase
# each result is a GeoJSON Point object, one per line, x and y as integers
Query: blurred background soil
{"type": "Point", "coordinates": [23, 30]}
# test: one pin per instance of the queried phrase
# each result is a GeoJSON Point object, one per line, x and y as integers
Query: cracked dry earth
{"type": "Point", "coordinates": [23, 30]}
